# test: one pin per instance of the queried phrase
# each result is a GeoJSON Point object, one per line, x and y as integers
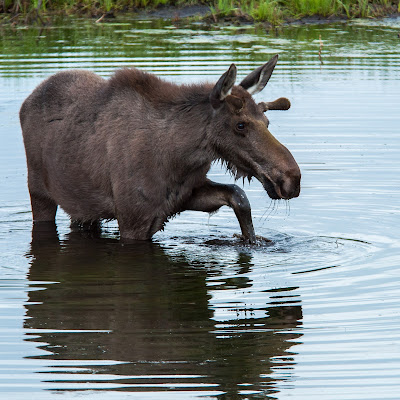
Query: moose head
{"type": "Point", "coordinates": [241, 135]}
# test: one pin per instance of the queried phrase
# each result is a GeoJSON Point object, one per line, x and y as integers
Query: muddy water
{"type": "Point", "coordinates": [313, 315]}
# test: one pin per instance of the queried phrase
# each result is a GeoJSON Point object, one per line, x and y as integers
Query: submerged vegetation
{"type": "Point", "coordinates": [272, 11]}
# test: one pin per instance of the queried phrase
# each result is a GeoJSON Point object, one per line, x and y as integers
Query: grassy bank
{"type": "Point", "coordinates": [275, 11]}
{"type": "Point", "coordinates": [272, 11]}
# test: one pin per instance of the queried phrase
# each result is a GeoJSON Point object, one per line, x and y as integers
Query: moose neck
{"type": "Point", "coordinates": [188, 119]}
{"type": "Point", "coordinates": [181, 117]}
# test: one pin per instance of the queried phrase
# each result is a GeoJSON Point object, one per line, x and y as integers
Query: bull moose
{"type": "Point", "coordinates": [137, 148]}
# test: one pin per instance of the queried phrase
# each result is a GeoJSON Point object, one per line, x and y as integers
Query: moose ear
{"type": "Point", "coordinates": [235, 103]}
{"type": "Point", "coordinates": [279, 104]}
{"type": "Point", "coordinates": [223, 87]}
{"type": "Point", "coordinates": [256, 81]}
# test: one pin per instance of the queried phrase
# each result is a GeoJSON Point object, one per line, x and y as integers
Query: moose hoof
{"type": "Point", "coordinates": [259, 240]}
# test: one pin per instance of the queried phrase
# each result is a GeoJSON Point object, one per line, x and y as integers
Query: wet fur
{"type": "Point", "coordinates": [88, 129]}
{"type": "Point", "coordinates": [133, 147]}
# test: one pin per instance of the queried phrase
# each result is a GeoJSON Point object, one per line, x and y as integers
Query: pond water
{"type": "Point", "coordinates": [313, 315]}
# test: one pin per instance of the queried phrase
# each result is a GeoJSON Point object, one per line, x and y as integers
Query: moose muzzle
{"type": "Point", "coordinates": [282, 179]}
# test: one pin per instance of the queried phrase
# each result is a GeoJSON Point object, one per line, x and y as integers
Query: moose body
{"type": "Point", "coordinates": [138, 149]}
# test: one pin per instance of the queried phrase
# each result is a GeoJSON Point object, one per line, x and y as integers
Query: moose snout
{"type": "Point", "coordinates": [281, 174]}
{"type": "Point", "coordinates": [288, 186]}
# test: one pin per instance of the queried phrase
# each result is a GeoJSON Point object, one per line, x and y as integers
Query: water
{"type": "Point", "coordinates": [196, 314]}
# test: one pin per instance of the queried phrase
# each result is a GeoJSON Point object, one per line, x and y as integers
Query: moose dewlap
{"type": "Point", "coordinates": [138, 149]}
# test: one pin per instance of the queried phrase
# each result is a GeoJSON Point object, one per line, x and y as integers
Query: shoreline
{"type": "Point", "coordinates": [187, 13]}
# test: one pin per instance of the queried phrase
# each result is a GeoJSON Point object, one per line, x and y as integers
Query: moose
{"type": "Point", "coordinates": [137, 148]}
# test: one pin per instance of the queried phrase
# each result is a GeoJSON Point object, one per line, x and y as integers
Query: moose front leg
{"type": "Point", "coordinates": [211, 196]}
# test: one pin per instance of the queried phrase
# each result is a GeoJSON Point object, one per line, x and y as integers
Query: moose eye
{"type": "Point", "coordinates": [240, 126]}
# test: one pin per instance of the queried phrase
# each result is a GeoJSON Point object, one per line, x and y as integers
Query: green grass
{"type": "Point", "coordinates": [276, 11]}
{"type": "Point", "coordinates": [24, 6]}
{"type": "Point", "coordinates": [267, 10]}
{"type": "Point", "coordinates": [326, 8]}
{"type": "Point", "coordinates": [273, 11]}
{"type": "Point", "coordinates": [223, 8]}
{"type": "Point", "coordinates": [312, 7]}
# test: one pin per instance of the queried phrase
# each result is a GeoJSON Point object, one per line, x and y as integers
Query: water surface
{"type": "Point", "coordinates": [196, 314]}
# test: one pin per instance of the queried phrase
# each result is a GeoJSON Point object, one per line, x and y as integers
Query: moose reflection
{"type": "Point", "coordinates": [150, 310]}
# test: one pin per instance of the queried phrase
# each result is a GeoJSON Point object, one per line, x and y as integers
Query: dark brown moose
{"type": "Point", "coordinates": [138, 149]}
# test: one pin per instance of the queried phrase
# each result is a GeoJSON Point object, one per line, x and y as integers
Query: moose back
{"type": "Point", "coordinates": [138, 148]}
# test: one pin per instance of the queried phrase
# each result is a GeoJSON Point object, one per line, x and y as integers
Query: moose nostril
{"type": "Point", "coordinates": [290, 185]}
{"type": "Point", "coordinates": [286, 189]}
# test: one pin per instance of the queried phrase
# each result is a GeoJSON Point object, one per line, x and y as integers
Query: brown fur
{"type": "Point", "coordinates": [137, 148]}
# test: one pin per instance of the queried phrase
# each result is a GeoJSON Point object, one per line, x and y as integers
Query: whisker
{"type": "Point", "coordinates": [286, 208]}
{"type": "Point", "coordinates": [266, 210]}
{"type": "Point", "coordinates": [274, 208]}
{"type": "Point", "coordinates": [262, 219]}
